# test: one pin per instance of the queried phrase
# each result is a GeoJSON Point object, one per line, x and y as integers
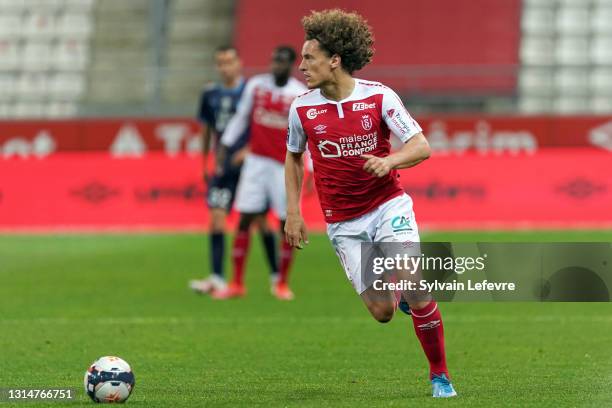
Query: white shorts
{"type": "Point", "coordinates": [392, 221]}
{"type": "Point", "coordinates": [261, 186]}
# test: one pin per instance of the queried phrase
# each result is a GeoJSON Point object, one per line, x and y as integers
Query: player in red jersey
{"type": "Point", "coordinates": [347, 123]}
{"type": "Point", "coordinates": [264, 108]}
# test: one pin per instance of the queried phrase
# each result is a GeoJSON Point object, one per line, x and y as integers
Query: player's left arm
{"type": "Point", "coordinates": [416, 148]}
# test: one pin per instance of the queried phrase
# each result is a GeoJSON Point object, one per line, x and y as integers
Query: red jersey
{"type": "Point", "coordinates": [264, 107]}
{"type": "Point", "coordinates": [338, 133]}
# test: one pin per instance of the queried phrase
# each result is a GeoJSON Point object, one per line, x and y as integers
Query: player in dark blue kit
{"type": "Point", "coordinates": [217, 105]}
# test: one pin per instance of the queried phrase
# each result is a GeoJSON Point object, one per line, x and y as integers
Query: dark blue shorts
{"type": "Point", "coordinates": [222, 189]}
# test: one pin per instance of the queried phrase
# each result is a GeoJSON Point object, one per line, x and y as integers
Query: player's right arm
{"type": "Point", "coordinates": [295, 228]}
{"type": "Point", "coordinates": [238, 124]}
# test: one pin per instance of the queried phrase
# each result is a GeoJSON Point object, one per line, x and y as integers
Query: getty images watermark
{"type": "Point", "coordinates": [490, 271]}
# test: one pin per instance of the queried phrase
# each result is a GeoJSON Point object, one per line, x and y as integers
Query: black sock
{"type": "Point", "coordinates": [217, 247]}
{"type": "Point", "coordinates": [269, 241]}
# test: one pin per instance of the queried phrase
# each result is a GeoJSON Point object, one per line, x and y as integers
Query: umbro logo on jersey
{"type": "Point", "coordinates": [313, 113]}
{"type": "Point", "coordinates": [320, 129]}
{"type": "Point", "coordinates": [359, 106]}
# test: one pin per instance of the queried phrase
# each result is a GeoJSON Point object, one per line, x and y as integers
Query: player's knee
{"type": "Point", "coordinates": [383, 313]}
{"type": "Point", "coordinates": [217, 221]}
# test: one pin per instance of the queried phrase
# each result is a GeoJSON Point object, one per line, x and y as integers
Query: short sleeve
{"type": "Point", "coordinates": [205, 111]}
{"type": "Point", "coordinates": [397, 118]}
{"type": "Point", "coordinates": [296, 137]}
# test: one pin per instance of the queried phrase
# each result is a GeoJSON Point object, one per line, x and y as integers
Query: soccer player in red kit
{"type": "Point", "coordinates": [263, 108]}
{"type": "Point", "coordinates": [346, 124]}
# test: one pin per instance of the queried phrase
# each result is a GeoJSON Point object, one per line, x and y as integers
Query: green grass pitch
{"type": "Point", "coordinates": [67, 300]}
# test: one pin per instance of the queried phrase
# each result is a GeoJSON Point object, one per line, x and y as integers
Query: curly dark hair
{"type": "Point", "coordinates": [345, 34]}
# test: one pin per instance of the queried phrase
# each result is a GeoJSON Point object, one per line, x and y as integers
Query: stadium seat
{"type": "Point", "coordinates": [61, 109]}
{"type": "Point", "coordinates": [5, 110]}
{"type": "Point", "coordinates": [79, 5]}
{"type": "Point", "coordinates": [537, 51]}
{"type": "Point", "coordinates": [535, 105]}
{"type": "Point", "coordinates": [569, 105]}
{"type": "Point", "coordinates": [601, 82]}
{"type": "Point", "coordinates": [572, 81]}
{"type": "Point", "coordinates": [573, 50]}
{"type": "Point", "coordinates": [70, 55]}
{"type": "Point", "coordinates": [32, 86]}
{"type": "Point", "coordinates": [44, 5]}
{"type": "Point", "coordinates": [538, 21]}
{"type": "Point", "coordinates": [602, 20]}
{"type": "Point", "coordinates": [539, 3]}
{"type": "Point", "coordinates": [573, 20]}
{"type": "Point", "coordinates": [74, 25]}
{"type": "Point", "coordinates": [536, 81]}
{"type": "Point", "coordinates": [10, 26]}
{"type": "Point", "coordinates": [7, 86]}
{"type": "Point", "coordinates": [66, 86]}
{"type": "Point", "coordinates": [601, 104]}
{"type": "Point", "coordinates": [28, 110]}
{"type": "Point", "coordinates": [11, 6]}
{"type": "Point", "coordinates": [601, 50]}
{"type": "Point", "coordinates": [36, 56]}
{"type": "Point", "coordinates": [39, 24]}
{"type": "Point", "coordinates": [9, 55]}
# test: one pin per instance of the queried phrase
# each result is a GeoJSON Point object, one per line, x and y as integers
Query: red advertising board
{"type": "Point", "coordinates": [568, 187]}
{"type": "Point", "coordinates": [173, 136]}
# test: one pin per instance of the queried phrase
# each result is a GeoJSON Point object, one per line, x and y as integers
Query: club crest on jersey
{"type": "Point", "coordinates": [329, 149]}
{"type": "Point", "coordinates": [366, 122]}
{"type": "Point", "coordinates": [320, 129]}
{"type": "Point", "coordinates": [312, 113]}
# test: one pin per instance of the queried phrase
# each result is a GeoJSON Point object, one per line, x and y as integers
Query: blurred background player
{"type": "Point", "coordinates": [264, 107]}
{"type": "Point", "coordinates": [217, 105]}
{"type": "Point", "coordinates": [358, 184]}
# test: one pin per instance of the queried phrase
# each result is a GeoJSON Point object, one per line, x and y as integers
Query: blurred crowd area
{"type": "Point", "coordinates": [70, 58]}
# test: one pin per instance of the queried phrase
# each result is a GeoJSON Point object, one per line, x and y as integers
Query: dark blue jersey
{"type": "Point", "coordinates": [217, 106]}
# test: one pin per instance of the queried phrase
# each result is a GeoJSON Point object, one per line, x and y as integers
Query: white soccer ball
{"type": "Point", "coordinates": [109, 379]}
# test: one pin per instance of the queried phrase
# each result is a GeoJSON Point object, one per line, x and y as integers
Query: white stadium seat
{"type": "Point", "coordinates": [602, 20]}
{"type": "Point", "coordinates": [570, 104]}
{"type": "Point", "coordinates": [39, 24]}
{"type": "Point", "coordinates": [573, 51]}
{"type": "Point", "coordinates": [535, 105]}
{"type": "Point", "coordinates": [74, 25]}
{"type": "Point", "coordinates": [601, 82]}
{"type": "Point", "coordinates": [601, 50]}
{"type": "Point", "coordinates": [573, 20]}
{"type": "Point", "coordinates": [601, 104]}
{"type": "Point", "coordinates": [536, 81]}
{"type": "Point", "coordinates": [70, 55]}
{"type": "Point", "coordinates": [538, 21]}
{"type": "Point", "coordinates": [537, 51]}
{"type": "Point", "coordinates": [572, 81]}
{"type": "Point", "coordinates": [32, 86]}
{"type": "Point", "coordinates": [11, 6]}
{"type": "Point", "coordinates": [36, 56]}
{"type": "Point", "coordinates": [66, 86]}
{"type": "Point", "coordinates": [9, 55]}
{"type": "Point", "coordinates": [29, 110]}
{"type": "Point", "coordinates": [44, 5]}
{"type": "Point", "coordinates": [7, 87]}
{"type": "Point", "coordinates": [80, 5]}
{"type": "Point", "coordinates": [61, 109]}
{"type": "Point", "coordinates": [10, 26]}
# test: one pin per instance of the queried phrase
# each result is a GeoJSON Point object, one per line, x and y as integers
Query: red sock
{"type": "Point", "coordinates": [428, 327]}
{"type": "Point", "coordinates": [286, 256]}
{"type": "Point", "coordinates": [240, 250]}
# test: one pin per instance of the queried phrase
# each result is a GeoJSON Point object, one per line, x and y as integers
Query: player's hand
{"type": "Point", "coordinates": [239, 156]}
{"type": "Point", "coordinates": [378, 166]}
{"type": "Point", "coordinates": [295, 231]}
{"type": "Point", "coordinates": [206, 177]}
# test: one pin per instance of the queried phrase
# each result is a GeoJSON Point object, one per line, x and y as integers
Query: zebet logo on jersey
{"type": "Point", "coordinates": [359, 106]}
{"type": "Point", "coordinates": [400, 223]}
